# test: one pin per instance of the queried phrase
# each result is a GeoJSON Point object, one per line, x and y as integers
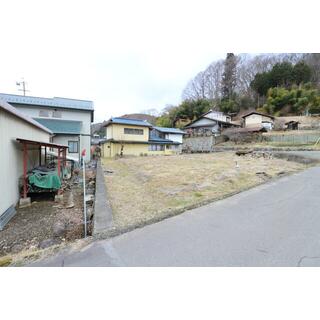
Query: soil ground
{"type": "Point", "coordinates": [46, 223]}
{"type": "Point", "coordinates": [141, 189]}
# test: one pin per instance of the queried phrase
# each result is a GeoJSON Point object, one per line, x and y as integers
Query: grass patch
{"type": "Point", "coordinates": [146, 189]}
{"type": "Point", "coordinates": [5, 261]}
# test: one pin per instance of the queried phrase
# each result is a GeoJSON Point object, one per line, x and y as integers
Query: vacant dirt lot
{"type": "Point", "coordinates": [146, 189]}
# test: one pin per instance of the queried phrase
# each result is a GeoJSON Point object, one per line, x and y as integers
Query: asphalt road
{"type": "Point", "coordinates": [276, 224]}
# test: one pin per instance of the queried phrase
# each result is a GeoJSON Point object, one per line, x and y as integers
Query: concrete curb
{"type": "Point", "coordinates": [116, 231]}
{"type": "Point", "coordinates": [102, 219]}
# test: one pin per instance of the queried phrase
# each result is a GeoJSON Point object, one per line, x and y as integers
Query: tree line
{"type": "Point", "coordinates": [279, 84]}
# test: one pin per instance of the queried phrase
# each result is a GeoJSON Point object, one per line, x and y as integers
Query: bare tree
{"type": "Point", "coordinates": [213, 80]}
{"type": "Point", "coordinates": [207, 84]}
{"type": "Point", "coordinates": [152, 112]}
{"type": "Point", "coordinates": [195, 89]}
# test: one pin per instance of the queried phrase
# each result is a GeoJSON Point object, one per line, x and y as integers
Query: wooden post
{"type": "Point", "coordinates": [59, 169]}
{"type": "Point", "coordinates": [25, 158]}
{"type": "Point", "coordinates": [45, 155]}
{"type": "Point", "coordinates": [40, 149]}
{"type": "Point", "coordinates": [64, 159]}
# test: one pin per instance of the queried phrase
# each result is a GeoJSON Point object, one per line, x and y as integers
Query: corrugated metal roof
{"type": "Point", "coordinates": [49, 102]}
{"type": "Point", "coordinates": [61, 126]}
{"type": "Point", "coordinates": [169, 130]}
{"type": "Point", "coordinates": [41, 143]}
{"type": "Point", "coordinates": [9, 108]}
{"type": "Point", "coordinates": [156, 140]}
{"type": "Point", "coordinates": [133, 122]}
{"type": "Point", "coordinates": [259, 113]}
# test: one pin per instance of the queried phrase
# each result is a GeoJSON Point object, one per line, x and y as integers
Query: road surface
{"type": "Point", "coordinates": [275, 224]}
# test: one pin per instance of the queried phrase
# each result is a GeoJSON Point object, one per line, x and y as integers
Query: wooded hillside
{"type": "Point", "coordinates": [279, 84]}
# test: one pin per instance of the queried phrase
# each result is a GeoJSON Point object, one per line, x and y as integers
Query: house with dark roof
{"type": "Point", "coordinates": [138, 137]}
{"type": "Point", "coordinates": [212, 121]}
{"type": "Point", "coordinates": [68, 119]}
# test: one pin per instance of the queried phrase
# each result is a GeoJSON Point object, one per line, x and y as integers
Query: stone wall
{"type": "Point", "coordinates": [200, 143]}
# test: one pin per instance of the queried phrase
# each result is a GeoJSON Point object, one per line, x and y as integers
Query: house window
{"type": "Point", "coordinates": [73, 146]}
{"type": "Point", "coordinates": [133, 131]}
{"type": "Point", "coordinates": [156, 147]}
{"type": "Point", "coordinates": [56, 114]}
{"type": "Point", "coordinates": [43, 113]}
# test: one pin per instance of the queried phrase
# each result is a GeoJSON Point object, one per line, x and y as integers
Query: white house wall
{"type": "Point", "coordinates": [256, 120]}
{"type": "Point", "coordinates": [75, 115]}
{"type": "Point", "coordinates": [11, 156]}
{"type": "Point", "coordinates": [64, 139]}
{"type": "Point", "coordinates": [174, 137]}
{"type": "Point", "coordinates": [218, 116]}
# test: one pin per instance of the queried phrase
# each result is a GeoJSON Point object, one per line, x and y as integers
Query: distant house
{"type": "Point", "coordinates": [292, 125]}
{"type": "Point", "coordinates": [256, 119]}
{"type": "Point", "coordinates": [68, 119]}
{"type": "Point", "coordinates": [137, 137]}
{"type": "Point", "coordinates": [297, 123]}
{"type": "Point", "coordinates": [217, 115]}
{"type": "Point", "coordinates": [171, 134]}
{"type": "Point", "coordinates": [211, 121]}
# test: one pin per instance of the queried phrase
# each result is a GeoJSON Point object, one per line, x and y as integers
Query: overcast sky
{"type": "Point", "coordinates": [126, 56]}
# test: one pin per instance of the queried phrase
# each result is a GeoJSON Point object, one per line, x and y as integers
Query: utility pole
{"type": "Point", "coordinates": [23, 84]}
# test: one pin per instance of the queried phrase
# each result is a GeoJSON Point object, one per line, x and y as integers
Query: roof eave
{"type": "Point", "coordinates": [12, 110]}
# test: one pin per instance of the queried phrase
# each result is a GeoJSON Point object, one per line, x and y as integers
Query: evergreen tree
{"type": "Point", "coordinates": [302, 73]}
{"type": "Point", "coordinates": [229, 76]}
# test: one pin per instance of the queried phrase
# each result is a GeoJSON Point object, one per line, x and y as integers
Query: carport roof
{"type": "Point", "coordinates": [42, 143]}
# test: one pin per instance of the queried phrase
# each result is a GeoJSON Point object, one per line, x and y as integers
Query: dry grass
{"type": "Point", "coordinates": [147, 188]}
{"type": "Point", "coordinates": [269, 144]}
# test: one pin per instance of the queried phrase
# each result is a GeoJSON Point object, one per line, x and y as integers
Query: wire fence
{"type": "Point", "coordinates": [306, 138]}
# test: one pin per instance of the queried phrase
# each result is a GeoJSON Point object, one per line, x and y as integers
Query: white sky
{"type": "Point", "coordinates": [127, 56]}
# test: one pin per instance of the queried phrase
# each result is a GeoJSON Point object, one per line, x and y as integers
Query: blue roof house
{"type": "Point", "coordinates": [127, 137]}
{"type": "Point", "coordinates": [68, 119]}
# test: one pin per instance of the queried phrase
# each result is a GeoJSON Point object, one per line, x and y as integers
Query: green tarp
{"type": "Point", "coordinates": [48, 181]}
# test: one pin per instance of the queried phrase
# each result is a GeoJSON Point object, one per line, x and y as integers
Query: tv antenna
{"type": "Point", "coordinates": [23, 84]}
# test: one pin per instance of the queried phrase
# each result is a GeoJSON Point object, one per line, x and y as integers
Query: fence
{"type": "Point", "coordinates": [299, 138]}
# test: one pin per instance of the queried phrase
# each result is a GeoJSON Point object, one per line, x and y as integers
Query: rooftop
{"type": "Point", "coordinates": [194, 124]}
{"type": "Point", "coordinates": [169, 130]}
{"type": "Point", "coordinates": [155, 140]}
{"type": "Point", "coordinates": [256, 112]}
{"type": "Point", "coordinates": [9, 108]}
{"type": "Point", "coordinates": [49, 102]}
{"type": "Point", "coordinates": [61, 126]}
{"type": "Point", "coordinates": [133, 122]}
